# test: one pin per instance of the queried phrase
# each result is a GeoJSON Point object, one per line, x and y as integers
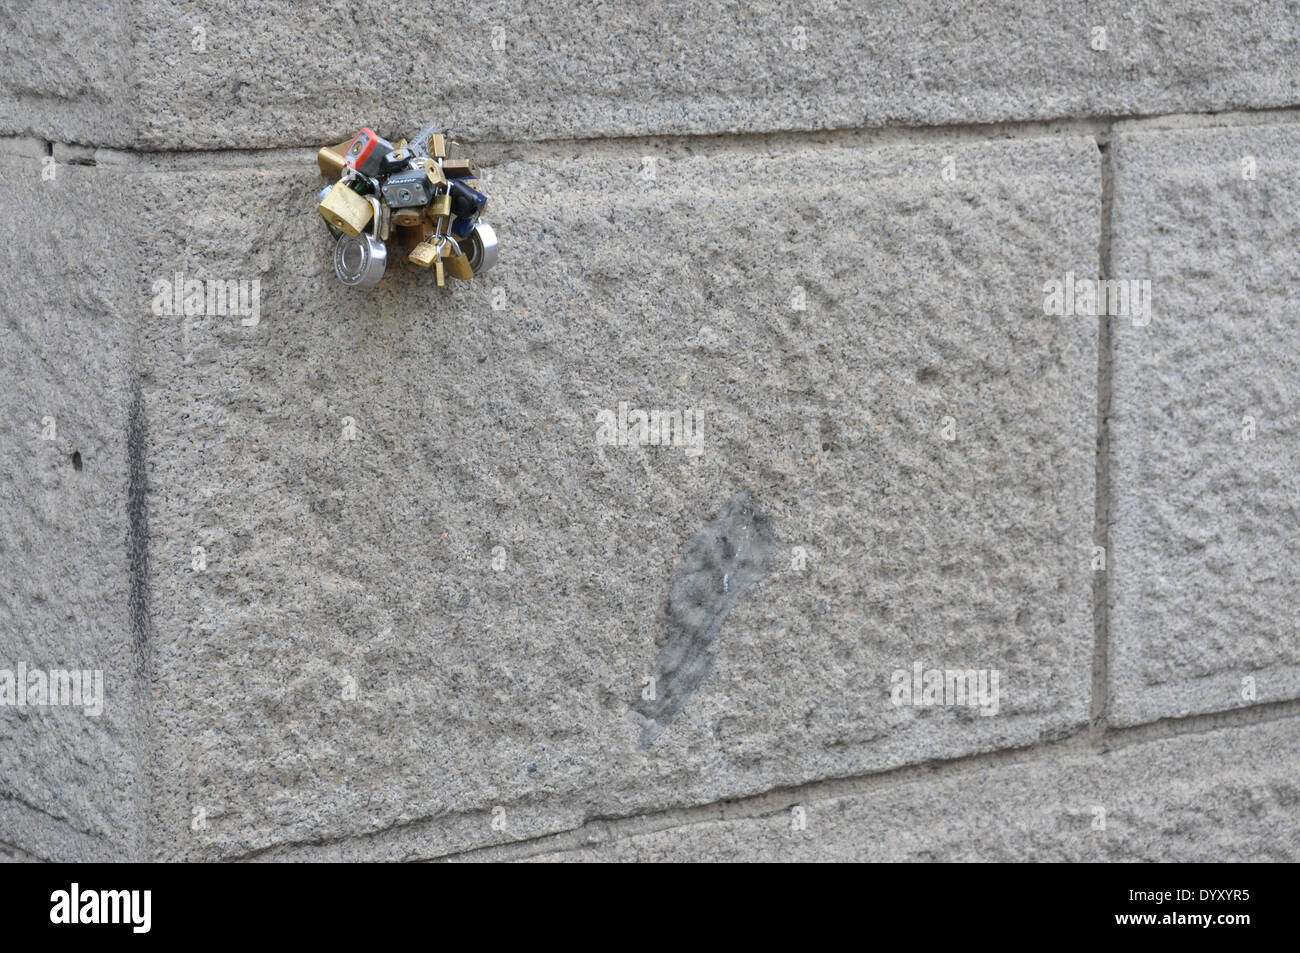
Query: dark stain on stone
{"type": "Point", "coordinates": [723, 560]}
{"type": "Point", "coordinates": [137, 527]}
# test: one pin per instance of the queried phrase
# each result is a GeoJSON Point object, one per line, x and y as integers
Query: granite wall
{"type": "Point", "coordinates": [936, 562]}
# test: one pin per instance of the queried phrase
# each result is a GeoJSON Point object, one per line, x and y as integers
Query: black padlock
{"type": "Point", "coordinates": [465, 202]}
{"type": "Point", "coordinates": [395, 161]}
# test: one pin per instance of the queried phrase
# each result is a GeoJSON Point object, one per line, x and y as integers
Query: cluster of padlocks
{"type": "Point", "coordinates": [408, 195]}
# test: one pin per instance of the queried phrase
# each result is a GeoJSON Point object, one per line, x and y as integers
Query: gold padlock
{"type": "Point", "coordinates": [457, 262]}
{"type": "Point", "coordinates": [423, 254]}
{"type": "Point", "coordinates": [408, 236]}
{"type": "Point", "coordinates": [457, 168]}
{"type": "Point", "coordinates": [440, 206]}
{"type": "Point", "coordinates": [438, 273]}
{"type": "Point", "coordinates": [407, 216]}
{"type": "Point", "coordinates": [345, 210]}
{"type": "Point", "coordinates": [437, 145]}
{"type": "Point", "coordinates": [330, 159]}
{"type": "Point", "coordinates": [434, 172]}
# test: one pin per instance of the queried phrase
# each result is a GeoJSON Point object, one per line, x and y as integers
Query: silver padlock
{"type": "Point", "coordinates": [482, 247]}
{"type": "Point", "coordinates": [407, 189]}
{"type": "Point", "coordinates": [360, 261]}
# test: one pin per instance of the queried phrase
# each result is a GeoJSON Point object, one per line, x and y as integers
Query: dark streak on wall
{"type": "Point", "coordinates": [137, 533]}
{"type": "Point", "coordinates": [724, 559]}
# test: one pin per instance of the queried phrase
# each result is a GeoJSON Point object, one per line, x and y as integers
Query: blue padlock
{"type": "Point", "coordinates": [467, 205]}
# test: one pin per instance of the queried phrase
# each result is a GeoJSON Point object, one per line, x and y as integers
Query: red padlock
{"type": "Point", "coordinates": [366, 152]}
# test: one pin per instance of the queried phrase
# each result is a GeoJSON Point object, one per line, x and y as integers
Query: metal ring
{"type": "Point", "coordinates": [482, 248]}
{"type": "Point", "coordinates": [360, 261]}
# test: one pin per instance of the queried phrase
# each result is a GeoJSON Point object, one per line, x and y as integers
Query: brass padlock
{"type": "Point", "coordinates": [457, 169]}
{"type": "Point", "coordinates": [423, 254]}
{"type": "Point", "coordinates": [457, 262]}
{"type": "Point", "coordinates": [408, 236]}
{"type": "Point", "coordinates": [407, 216]}
{"type": "Point", "coordinates": [434, 172]}
{"type": "Point", "coordinates": [437, 145]}
{"type": "Point", "coordinates": [345, 210]}
{"type": "Point", "coordinates": [330, 159]}
{"type": "Point", "coordinates": [439, 206]}
{"type": "Point", "coordinates": [438, 273]}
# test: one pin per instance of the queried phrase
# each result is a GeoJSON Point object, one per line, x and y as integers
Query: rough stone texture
{"type": "Point", "coordinates": [1206, 571]}
{"type": "Point", "coordinates": [9, 854]}
{"type": "Point", "coordinates": [721, 562]}
{"type": "Point", "coordinates": [67, 780]}
{"type": "Point", "coordinates": [437, 636]}
{"type": "Point", "coordinates": [67, 72]}
{"type": "Point", "coordinates": [1230, 796]}
{"type": "Point", "coordinates": [330, 560]}
{"type": "Point", "coordinates": [235, 74]}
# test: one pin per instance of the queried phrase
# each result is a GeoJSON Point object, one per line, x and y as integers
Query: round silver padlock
{"type": "Point", "coordinates": [482, 250]}
{"type": "Point", "coordinates": [360, 261]}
